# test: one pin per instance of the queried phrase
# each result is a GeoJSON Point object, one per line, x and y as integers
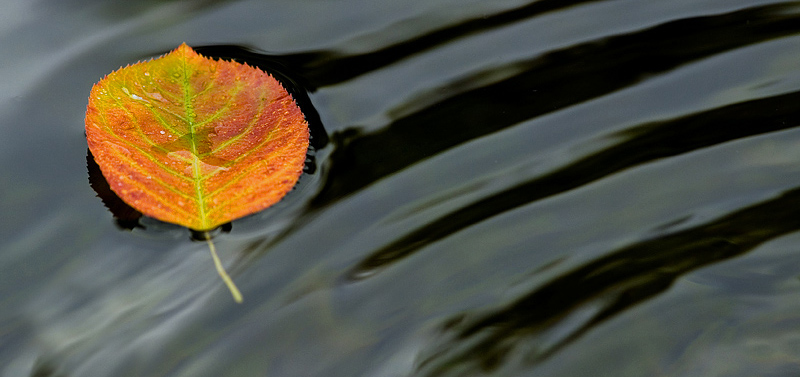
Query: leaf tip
{"type": "Point", "coordinates": [185, 49]}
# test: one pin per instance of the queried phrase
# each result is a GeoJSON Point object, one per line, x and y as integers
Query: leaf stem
{"type": "Point", "coordinates": [237, 296]}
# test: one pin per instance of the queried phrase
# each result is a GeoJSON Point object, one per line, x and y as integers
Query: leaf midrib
{"type": "Point", "coordinates": [196, 168]}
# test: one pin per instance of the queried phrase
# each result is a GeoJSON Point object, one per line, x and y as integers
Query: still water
{"type": "Point", "coordinates": [497, 188]}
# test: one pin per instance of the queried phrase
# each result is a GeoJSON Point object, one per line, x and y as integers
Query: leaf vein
{"type": "Point", "coordinates": [145, 152]}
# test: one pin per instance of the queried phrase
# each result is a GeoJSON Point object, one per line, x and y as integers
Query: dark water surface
{"type": "Point", "coordinates": [499, 188]}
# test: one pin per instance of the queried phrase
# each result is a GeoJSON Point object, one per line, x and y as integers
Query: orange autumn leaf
{"type": "Point", "coordinates": [196, 141]}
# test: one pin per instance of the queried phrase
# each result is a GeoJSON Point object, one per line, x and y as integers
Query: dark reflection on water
{"type": "Point", "coordinates": [330, 67]}
{"type": "Point", "coordinates": [610, 285]}
{"type": "Point", "coordinates": [547, 83]}
{"type": "Point", "coordinates": [643, 144]}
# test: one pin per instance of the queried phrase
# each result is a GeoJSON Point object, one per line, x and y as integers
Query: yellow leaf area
{"type": "Point", "coordinates": [195, 141]}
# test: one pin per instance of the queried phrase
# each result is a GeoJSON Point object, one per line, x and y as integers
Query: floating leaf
{"type": "Point", "coordinates": [196, 141]}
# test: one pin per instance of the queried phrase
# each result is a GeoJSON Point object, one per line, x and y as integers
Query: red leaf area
{"type": "Point", "coordinates": [196, 141]}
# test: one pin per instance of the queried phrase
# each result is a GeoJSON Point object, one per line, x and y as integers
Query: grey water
{"type": "Point", "coordinates": [496, 188]}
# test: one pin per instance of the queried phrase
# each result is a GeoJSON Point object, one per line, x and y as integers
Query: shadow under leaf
{"type": "Point", "coordinates": [125, 216]}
